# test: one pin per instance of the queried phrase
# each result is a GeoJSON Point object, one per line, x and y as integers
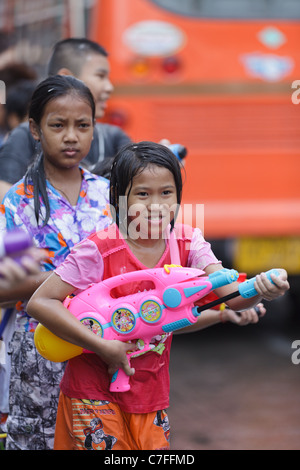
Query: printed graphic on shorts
{"type": "Point", "coordinates": [96, 439]}
{"type": "Point", "coordinates": [88, 429]}
{"type": "Point", "coordinates": [161, 419]}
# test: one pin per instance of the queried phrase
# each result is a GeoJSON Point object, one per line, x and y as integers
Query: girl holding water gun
{"type": "Point", "coordinates": [145, 194]}
{"type": "Point", "coordinates": [57, 203]}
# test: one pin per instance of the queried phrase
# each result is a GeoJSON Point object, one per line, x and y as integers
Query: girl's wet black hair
{"type": "Point", "coordinates": [47, 90]}
{"type": "Point", "coordinates": [131, 160]}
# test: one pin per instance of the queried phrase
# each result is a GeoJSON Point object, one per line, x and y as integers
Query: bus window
{"type": "Point", "coordinates": [242, 9]}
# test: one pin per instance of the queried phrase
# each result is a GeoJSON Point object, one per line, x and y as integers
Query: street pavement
{"type": "Point", "coordinates": [236, 388]}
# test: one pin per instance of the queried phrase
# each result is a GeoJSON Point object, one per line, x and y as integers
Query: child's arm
{"type": "Point", "coordinates": [46, 306]}
{"type": "Point", "coordinates": [245, 317]}
{"type": "Point", "coordinates": [212, 317]}
{"type": "Point", "coordinates": [266, 289]}
{"type": "Point", "coordinates": [23, 290]}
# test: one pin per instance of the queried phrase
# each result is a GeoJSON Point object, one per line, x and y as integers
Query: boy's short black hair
{"type": "Point", "coordinates": [71, 54]}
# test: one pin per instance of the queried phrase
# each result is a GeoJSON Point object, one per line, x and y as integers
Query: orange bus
{"type": "Point", "coordinates": [226, 84]}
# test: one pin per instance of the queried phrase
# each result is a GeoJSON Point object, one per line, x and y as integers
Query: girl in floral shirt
{"type": "Point", "coordinates": [58, 203]}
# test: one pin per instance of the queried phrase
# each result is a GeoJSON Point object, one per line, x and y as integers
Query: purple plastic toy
{"type": "Point", "coordinates": [13, 243]}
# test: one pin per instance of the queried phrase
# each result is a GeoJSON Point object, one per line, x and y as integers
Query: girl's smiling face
{"type": "Point", "coordinates": [152, 202]}
{"type": "Point", "coordinates": [65, 131]}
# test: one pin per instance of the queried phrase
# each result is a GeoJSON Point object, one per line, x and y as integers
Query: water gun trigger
{"type": "Point", "coordinates": [120, 380]}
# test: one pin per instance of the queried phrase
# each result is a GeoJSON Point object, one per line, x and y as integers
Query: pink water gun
{"type": "Point", "coordinates": [167, 307]}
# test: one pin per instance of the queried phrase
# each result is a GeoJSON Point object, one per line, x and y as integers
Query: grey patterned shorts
{"type": "Point", "coordinates": [33, 396]}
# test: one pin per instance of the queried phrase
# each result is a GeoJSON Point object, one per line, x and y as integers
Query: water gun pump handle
{"type": "Point", "coordinates": [246, 290]}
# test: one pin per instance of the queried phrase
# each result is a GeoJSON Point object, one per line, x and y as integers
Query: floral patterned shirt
{"type": "Point", "coordinates": [67, 225]}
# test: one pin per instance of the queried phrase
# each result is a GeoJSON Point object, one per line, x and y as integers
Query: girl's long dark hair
{"type": "Point", "coordinates": [134, 158]}
{"type": "Point", "coordinates": [36, 176]}
{"type": "Point", "coordinates": [47, 90]}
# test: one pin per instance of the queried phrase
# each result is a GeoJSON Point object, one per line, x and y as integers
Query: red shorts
{"type": "Point", "coordinates": [101, 425]}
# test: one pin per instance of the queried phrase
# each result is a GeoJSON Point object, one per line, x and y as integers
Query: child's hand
{"type": "Point", "coordinates": [267, 289]}
{"type": "Point", "coordinates": [113, 352]}
{"type": "Point", "coordinates": [12, 273]}
{"type": "Point", "coordinates": [245, 317]}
